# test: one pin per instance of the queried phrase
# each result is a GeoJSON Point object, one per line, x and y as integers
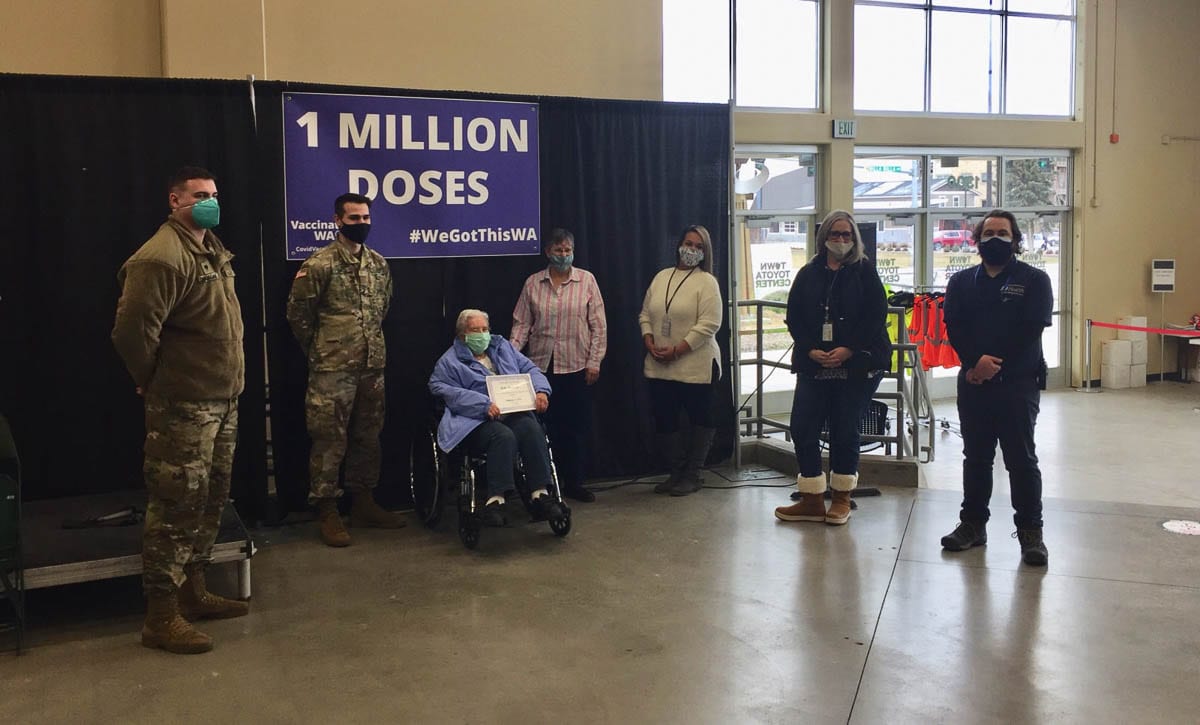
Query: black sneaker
{"type": "Point", "coordinates": [965, 535]}
{"type": "Point", "coordinates": [1033, 549]}
{"type": "Point", "coordinates": [493, 515]}
{"type": "Point", "coordinates": [545, 508]}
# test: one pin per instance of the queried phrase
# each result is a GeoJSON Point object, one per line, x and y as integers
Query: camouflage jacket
{"type": "Point", "coordinates": [179, 325]}
{"type": "Point", "coordinates": [336, 308]}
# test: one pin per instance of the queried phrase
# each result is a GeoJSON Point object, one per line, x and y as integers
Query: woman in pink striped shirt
{"type": "Point", "coordinates": [560, 318]}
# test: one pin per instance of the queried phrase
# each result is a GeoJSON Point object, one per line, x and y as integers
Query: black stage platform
{"type": "Point", "coordinates": [55, 556]}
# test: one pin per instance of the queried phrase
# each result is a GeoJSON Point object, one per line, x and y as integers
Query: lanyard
{"type": "Point", "coordinates": [829, 292]}
{"type": "Point", "coordinates": [667, 294]}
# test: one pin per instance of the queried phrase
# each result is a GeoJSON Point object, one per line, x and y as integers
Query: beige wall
{"type": "Point", "coordinates": [80, 37]}
{"type": "Point", "coordinates": [1146, 192]}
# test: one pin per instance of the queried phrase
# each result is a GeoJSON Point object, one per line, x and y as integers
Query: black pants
{"type": "Point", "coordinates": [669, 397]}
{"type": "Point", "coordinates": [1007, 412]}
{"type": "Point", "coordinates": [569, 423]}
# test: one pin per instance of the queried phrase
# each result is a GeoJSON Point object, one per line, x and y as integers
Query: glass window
{"type": "Point", "coordinates": [1039, 66]}
{"type": "Point", "coordinates": [776, 181]}
{"type": "Point", "coordinates": [894, 239]}
{"type": "Point", "coordinates": [887, 182]}
{"type": "Point", "coordinates": [1036, 181]}
{"type": "Point", "coordinates": [777, 53]}
{"type": "Point", "coordinates": [965, 60]}
{"type": "Point", "coordinates": [889, 59]}
{"type": "Point", "coordinates": [959, 181]}
{"type": "Point", "coordinates": [984, 56]}
{"type": "Point", "coordinates": [696, 50]}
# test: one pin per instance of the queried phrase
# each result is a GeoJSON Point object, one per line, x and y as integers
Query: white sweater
{"type": "Point", "coordinates": [695, 316]}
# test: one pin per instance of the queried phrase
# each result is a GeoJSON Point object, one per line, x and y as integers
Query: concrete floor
{"type": "Point", "coordinates": [697, 610]}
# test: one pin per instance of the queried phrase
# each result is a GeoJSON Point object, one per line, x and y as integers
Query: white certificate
{"type": "Point", "coordinates": [511, 393]}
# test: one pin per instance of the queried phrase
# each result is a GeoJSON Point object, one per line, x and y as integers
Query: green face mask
{"type": "Point", "coordinates": [479, 341]}
{"type": "Point", "coordinates": [206, 213]}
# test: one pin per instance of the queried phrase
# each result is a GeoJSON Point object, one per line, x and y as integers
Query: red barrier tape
{"type": "Point", "coordinates": [1156, 330]}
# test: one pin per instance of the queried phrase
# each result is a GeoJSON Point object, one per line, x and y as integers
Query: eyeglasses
{"type": "Point", "coordinates": [841, 235]}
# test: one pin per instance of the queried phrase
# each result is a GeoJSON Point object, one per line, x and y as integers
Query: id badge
{"type": "Point", "coordinates": [827, 332]}
{"type": "Point", "coordinates": [666, 327]}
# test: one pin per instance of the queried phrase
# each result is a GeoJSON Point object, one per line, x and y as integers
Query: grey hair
{"type": "Point", "coordinates": [460, 326]}
{"type": "Point", "coordinates": [837, 215]}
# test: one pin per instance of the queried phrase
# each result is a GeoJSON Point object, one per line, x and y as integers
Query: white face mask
{"type": "Point", "coordinates": [839, 249]}
{"type": "Point", "coordinates": [690, 257]}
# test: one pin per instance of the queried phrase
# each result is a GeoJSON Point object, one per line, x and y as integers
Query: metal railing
{"type": "Point", "coordinates": [910, 405]}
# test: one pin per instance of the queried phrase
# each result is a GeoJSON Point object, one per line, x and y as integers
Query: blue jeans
{"type": "Point", "coordinates": [501, 441]}
{"type": "Point", "coordinates": [843, 403]}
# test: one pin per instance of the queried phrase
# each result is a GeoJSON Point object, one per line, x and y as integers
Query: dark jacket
{"type": "Point", "coordinates": [858, 311]}
{"type": "Point", "coordinates": [179, 324]}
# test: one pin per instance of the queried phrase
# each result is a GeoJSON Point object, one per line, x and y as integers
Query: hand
{"type": "Point", "coordinates": [648, 342]}
{"type": "Point", "coordinates": [591, 375]}
{"type": "Point", "coordinates": [987, 367]}
{"type": "Point", "coordinates": [493, 411]}
{"type": "Point", "coordinates": [541, 402]}
{"type": "Point", "coordinates": [837, 357]}
{"type": "Point", "coordinates": [662, 354]}
{"type": "Point", "coordinates": [972, 378]}
{"type": "Point", "coordinates": [139, 391]}
{"type": "Point", "coordinates": [820, 357]}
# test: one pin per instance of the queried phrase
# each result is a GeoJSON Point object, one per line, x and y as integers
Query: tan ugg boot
{"type": "Point", "coordinates": [811, 506]}
{"type": "Point", "coordinates": [196, 602]}
{"type": "Point", "coordinates": [839, 509]}
{"type": "Point", "coordinates": [165, 629]}
{"type": "Point", "coordinates": [333, 531]}
{"type": "Point", "coordinates": [365, 513]}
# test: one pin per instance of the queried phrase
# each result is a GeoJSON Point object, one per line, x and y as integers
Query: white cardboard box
{"type": "Point", "coordinates": [1139, 352]}
{"type": "Point", "coordinates": [1130, 334]}
{"type": "Point", "coordinates": [1117, 352]}
{"type": "Point", "coordinates": [1137, 376]}
{"type": "Point", "coordinates": [1115, 377]}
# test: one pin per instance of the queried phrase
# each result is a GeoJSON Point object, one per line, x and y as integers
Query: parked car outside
{"type": "Point", "coordinates": [953, 240]}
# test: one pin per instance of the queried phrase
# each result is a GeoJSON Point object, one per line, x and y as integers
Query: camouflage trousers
{"type": "Point", "coordinates": [345, 412]}
{"type": "Point", "coordinates": [189, 460]}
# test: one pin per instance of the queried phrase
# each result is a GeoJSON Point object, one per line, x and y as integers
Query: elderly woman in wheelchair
{"type": "Point", "coordinates": [472, 421]}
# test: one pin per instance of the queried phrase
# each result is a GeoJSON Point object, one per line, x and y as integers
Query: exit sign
{"type": "Point", "coordinates": [845, 129]}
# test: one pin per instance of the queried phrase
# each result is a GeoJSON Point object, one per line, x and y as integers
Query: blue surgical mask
{"type": "Point", "coordinates": [478, 341]}
{"type": "Point", "coordinates": [561, 262]}
{"type": "Point", "coordinates": [206, 213]}
{"type": "Point", "coordinates": [690, 256]}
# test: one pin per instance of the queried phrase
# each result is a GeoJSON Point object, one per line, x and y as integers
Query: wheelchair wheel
{"type": "Point", "coordinates": [427, 470]}
{"type": "Point", "coordinates": [561, 526]}
{"type": "Point", "coordinates": [469, 535]}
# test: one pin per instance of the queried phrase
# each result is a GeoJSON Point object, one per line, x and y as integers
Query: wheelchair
{"type": "Point", "coordinates": [437, 476]}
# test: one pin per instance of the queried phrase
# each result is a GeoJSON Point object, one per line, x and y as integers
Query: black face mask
{"type": "Point", "coordinates": [356, 233]}
{"type": "Point", "coordinates": [996, 251]}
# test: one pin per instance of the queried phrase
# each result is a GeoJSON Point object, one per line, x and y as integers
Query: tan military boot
{"type": "Point", "coordinates": [333, 531]}
{"type": "Point", "coordinates": [165, 629]}
{"type": "Point", "coordinates": [365, 513]}
{"type": "Point", "coordinates": [196, 602]}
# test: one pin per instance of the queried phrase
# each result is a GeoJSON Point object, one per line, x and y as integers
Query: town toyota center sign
{"type": "Point", "coordinates": [447, 178]}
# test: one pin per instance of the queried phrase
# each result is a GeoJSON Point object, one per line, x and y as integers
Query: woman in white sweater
{"type": "Point", "coordinates": [680, 318]}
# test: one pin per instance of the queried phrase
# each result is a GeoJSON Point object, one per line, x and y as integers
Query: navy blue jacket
{"type": "Point", "coordinates": [857, 309]}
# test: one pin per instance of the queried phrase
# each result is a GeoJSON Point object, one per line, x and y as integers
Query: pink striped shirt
{"type": "Point", "coordinates": [564, 322]}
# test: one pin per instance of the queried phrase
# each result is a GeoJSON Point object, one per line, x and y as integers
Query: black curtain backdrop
{"type": "Point", "coordinates": [85, 165]}
{"type": "Point", "coordinates": [86, 162]}
{"type": "Point", "coordinates": [624, 176]}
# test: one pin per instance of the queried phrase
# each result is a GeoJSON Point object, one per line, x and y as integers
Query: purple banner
{"type": "Point", "coordinates": [447, 178]}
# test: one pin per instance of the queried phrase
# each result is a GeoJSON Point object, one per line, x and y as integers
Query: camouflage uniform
{"type": "Point", "coordinates": [179, 331]}
{"type": "Point", "coordinates": [189, 457]}
{"type": "Point", "coordinates": [336, 310]}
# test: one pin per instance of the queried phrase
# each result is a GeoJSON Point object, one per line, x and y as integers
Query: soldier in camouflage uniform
{"type": "Point", "coordinates": [336, 308]}
{"type": "Point", "coordinates": [179, 331]}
